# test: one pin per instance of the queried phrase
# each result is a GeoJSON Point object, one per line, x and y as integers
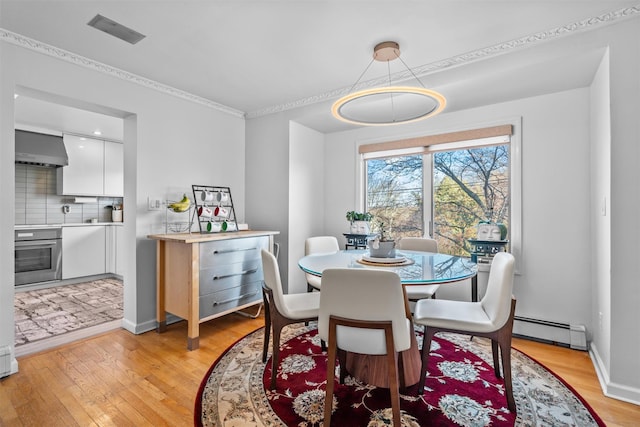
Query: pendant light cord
{"type": "Point", "coordinates": [411, 71]}
{"type": "Point", "coordinates": [363, 73]}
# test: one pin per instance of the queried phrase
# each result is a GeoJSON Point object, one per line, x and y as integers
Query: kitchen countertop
{"type": "Point", "coordinates": [77, 224]}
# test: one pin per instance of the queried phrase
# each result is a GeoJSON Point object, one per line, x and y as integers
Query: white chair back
{"type": "Point", "coordinates": [424, 244]}
{"type": "Point", "coordinates": [321, 244]}
{"type": "Point", "coordinates": [271, 273]}
{"type": "Point", "coordinates": [497, 300]}
{"type": "Point", "coordinates": [368, 295]}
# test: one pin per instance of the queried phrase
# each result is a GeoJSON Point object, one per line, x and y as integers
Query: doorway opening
{"type": "Point", "coordinates": [85, 302]}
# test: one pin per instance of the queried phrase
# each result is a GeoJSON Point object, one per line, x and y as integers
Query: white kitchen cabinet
{"type": "Point", "coordinates": [83, 251]}
{"type": "Point", "coordinates": [95, 168]}
{"type": "Point", "coordinates": [113, 169]}
{"type": "Point", "coordinates": [84, 175]}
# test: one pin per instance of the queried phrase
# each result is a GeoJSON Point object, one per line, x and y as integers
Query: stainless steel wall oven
{"type": "Point", "coordinates": [38, 255]}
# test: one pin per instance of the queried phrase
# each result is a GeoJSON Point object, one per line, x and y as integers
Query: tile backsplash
{"type": "Point", "coordinates": [38, 203]}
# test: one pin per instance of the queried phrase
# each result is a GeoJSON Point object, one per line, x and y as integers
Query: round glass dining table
{"type": "Point", "coordinates": [418, 268]}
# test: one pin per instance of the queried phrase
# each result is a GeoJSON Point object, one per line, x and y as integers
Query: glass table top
{"type": "Point", "coordinates": [426, 267]}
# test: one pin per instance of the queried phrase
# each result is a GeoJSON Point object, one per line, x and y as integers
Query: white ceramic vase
{"type": "Point", "coordinates": [360, 227]}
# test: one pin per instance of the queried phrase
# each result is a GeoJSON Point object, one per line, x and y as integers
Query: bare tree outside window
{"type": "Point", "coordinates": [394, 195]}
{"type": "Point", "coordinates": [469, 186]}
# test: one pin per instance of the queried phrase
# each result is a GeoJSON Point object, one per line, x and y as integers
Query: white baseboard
{"type": "Point", "coordinates": [149, 325]}
{"type": "Point", "coordinates": [611, 389]}
{"type": "Point", "coordinates": [542, 332]}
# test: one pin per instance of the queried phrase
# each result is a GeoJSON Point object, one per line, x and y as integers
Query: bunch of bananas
{"type": "Point", "coordinates": [181, 206]}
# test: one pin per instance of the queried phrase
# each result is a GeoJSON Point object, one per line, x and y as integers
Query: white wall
{"type": "Point", "coordinates": [306, 197]}
{"type": "Point", "coordinates": [600, 212]}
{"type": "Point", "coordinates": [624, 55]}
{"type": "Point", "coordinates": [7, 193]}
{"type": "Point", "coordinates": [267, 174]}
{"type": "Point", "coordinates": [170, 144]}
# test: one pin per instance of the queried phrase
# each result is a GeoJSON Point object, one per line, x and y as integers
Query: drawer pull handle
{"type": "Point", "coordinates": [226, 251]}
{"type": "Point", "coordinates": [242, 273]}
{"type": "Point", "coordinates": [234, 299]}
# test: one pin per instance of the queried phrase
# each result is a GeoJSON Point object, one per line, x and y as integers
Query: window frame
{"type": "Point", "coordinates": [515, 167]}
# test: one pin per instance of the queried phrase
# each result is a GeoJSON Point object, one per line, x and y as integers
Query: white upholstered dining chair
{"type": "Point", "coordinates": [282, 309]}
{"type": "Point", "coordinates": [491, 317]}
{"type": "Point", "coordinates": [424, 244]}
{"type": "Point", "coordinates": [380, 325]}
{"type": "Point", "coordinates": [318, 245]}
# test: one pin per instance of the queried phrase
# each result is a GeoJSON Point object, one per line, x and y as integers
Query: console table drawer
{"type": "Point", "coordinates": [226, 276]}
{"type": "Point", "coordinates": [228, 299]}
{"type": "Point", "coordinates": [231, 251]}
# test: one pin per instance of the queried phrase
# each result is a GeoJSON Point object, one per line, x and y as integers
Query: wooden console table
{"type": "Point", "coordinates": [204, 276]}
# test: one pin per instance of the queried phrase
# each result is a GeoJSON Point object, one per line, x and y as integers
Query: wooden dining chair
{"type": "Point", "coordinates": [379, 325]}
{"type": "Point", "coordinates": [491, 317]}
{"type": "Point", "coordinates": [318, 245]}
{"type": "Point", "coordinates": [423, 244]}
{"type": "Point", "coordinates": [282, 309]}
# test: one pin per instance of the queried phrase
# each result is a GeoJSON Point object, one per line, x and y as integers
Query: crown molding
{"type": "Point", "coordinates": [37, 46]}
{"type": "Point", "coordinates": [466, 58]}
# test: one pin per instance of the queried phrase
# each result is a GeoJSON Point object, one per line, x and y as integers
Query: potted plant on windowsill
{"type": "Point", "coordinates": [382, 246]}
{"type": "Point", "coordinates": [359, 222]}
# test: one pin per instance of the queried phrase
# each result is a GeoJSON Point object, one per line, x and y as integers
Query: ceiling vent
{"type": "Point", "coordinates": [115, 29]}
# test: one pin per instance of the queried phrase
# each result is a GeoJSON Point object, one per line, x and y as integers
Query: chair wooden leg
{"type": "Point", "coordinates": [504, 340]}
{"type": "Point", "coordinates": [496, 360]}
{"type": "Point", "coordinates": [267, 330]}
{"type": "Point", "coordinates": [265, 345]}
{"type": "Point", "coordinates": [505, 336]}
{"type": "Point", "coordinates": [394, 384]}
{"type": "Point", "coordinates": [342, 361]}
{"type": "Point", "coordinates": [426, 346]}
{"type": "Point", "coordinates": [275, 354]}
{"type": "Point", "coordinates": [505, 350]}
{"type": "Point", "coordinates": [331, 369]}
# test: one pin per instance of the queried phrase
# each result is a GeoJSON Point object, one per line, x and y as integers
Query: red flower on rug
{"type": "Point", "coordinates": [461, 389]}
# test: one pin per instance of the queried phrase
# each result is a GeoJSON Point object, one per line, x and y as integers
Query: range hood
{"type": "Point", "coordinates": [40, 149]}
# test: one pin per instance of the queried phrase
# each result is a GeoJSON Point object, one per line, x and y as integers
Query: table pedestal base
{"type": "Point", "coordinates": [374, 369]}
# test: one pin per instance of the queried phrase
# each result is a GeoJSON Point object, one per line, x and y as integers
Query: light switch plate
{"type": "Point", "coordinates": [154, 203]}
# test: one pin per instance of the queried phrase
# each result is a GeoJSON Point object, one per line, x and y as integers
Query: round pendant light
{"type": "Point", "coordinates": [388, 105]}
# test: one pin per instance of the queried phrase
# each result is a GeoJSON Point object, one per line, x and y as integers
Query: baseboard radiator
{"type": "Point", "coordinates": [5, 361]}
{"type": "Point", "coordinates": [576, 340]}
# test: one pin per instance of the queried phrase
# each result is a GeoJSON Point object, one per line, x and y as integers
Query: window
{"type": "Point", "coordinates": [441, 186]}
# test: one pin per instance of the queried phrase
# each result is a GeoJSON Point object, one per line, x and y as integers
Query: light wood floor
{"type": "Point", "coordinates": [121, 379]}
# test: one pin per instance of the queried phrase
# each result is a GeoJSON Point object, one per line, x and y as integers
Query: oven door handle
{"type": "Point", "coordinates": [37, 243]}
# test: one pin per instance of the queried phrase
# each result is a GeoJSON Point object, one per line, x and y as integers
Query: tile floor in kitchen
{"type": "Point", "coordinates": [57, 315]}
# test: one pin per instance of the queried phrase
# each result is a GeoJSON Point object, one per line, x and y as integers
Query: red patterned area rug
{"type": "Point", "coordinates": [461, 389]}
